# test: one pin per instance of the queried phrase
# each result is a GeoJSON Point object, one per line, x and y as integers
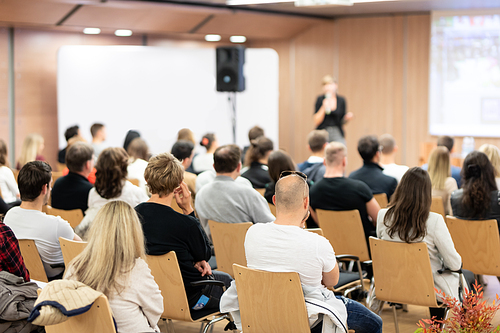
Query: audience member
{"type": "Point", "coordinates": [493, 154]}
{"type": "Point", "coordinates": [8, 184]}
{"type": "Point", "coordinates": [208, 176]}
{"type": "Point", "coordinates": [111, 184]}
{"type": "Point", "coordinates": [72, 191]}
{"type": "Point", "coordinates": [314, 167]}
{"type": "Point", "coordinates": [279, 161]}
{"type": "Point", "coordinates": [31, 150]}
{"type": "Point", "coordinates": [204, 162]}
{"type": "Point", "coordinates": [335, 192]}
{"type": "Point", "coordinates": [139, 155]}
{"type": "Point", "coordinates": [478, 197]}
{"type": "Point", "coordinates": [131, 135]}
{"type": "Point", "coordinates": [408, 219]}
{"type": "Point", "coordinates": [256, 170]}
{"type": "Point", "coordinates": [98, 132]}
{"type": "Point", "coordinates": [28, 221]}
{"type": "Point", "coordinates": [439, 172]}
{"type": "Point", "coordinates": [388, 158]}
{"type": "Point", "coordinates": [11, 259]}
{"type": "Point", "coordinates": [283, 246]}
{"type": "Point", "coordinates": [253, 134]}
{"type": "Point", "coordinates": [224, 199]}
{"type": "Point", "coordinates": [183, 150]}
{"type": "Point", "coordinates": [166, 230]}
{"type": "Point", "coordinates": [188, 135]}
{"type": "Point", "coordinates": [72, 141]}
{"type": "Point", "coordinates": [114, 263]}
{"type": "Point", "coordinates": [68, 134]}
{"type": "Point", "coordinates": [371, 173]}
{"type": "Point", "coordinates": [448, 142]}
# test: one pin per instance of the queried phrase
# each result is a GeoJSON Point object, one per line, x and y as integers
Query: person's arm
{"type": "Point", "coordinates": [77, 238]}
{"type": "Point", "coordinates": [183, 198]}
{"type": "Point", "coordinates": [149, 296]}
{"type": "Point", "coordinates": [10, 256]}
{"type": "Point", "coordinates": [445, 246]}
{"type": "Point", "coordinates": [259, 209]}
{"type": "Point", "coordinates": [11, 183]}
{"type": "Point", "coordinates": [320, 113]}
{"type": "Point", "coordinates": [331, 278]}
{"type": "Point", "coordinates": [372, 208]}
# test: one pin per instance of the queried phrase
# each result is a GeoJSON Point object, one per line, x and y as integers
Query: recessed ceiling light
{"type": "Point", "coordinates": [212, 38]}
{"type": "Point", "coordinates": [92, 31]}
{"type": "Point", "coordinates": [238, 39]}
{"type": "Point", "coordinates": [123, 33]}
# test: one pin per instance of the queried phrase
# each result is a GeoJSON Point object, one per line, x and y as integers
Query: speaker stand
{"type": "Point", "coordinates": [231, 99]}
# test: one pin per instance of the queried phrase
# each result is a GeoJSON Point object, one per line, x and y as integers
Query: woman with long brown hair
{"type": "Point", "coordinates": [443, 185]}
{"type": "Point", "coordinates": [409, 219]}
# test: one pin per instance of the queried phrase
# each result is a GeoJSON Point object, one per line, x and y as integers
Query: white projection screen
{"type": "Point", "coordinates": [464, 95]}
{"type": "Point", "coordinates": [159, 90]}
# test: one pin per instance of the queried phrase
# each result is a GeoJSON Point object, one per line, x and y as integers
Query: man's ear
{"type": "Point", "coordinates": [239, 167]}
{"type": "Point", "coordinates": [45, 189]}
{"type": "Point", "coordinates": [274, 199]}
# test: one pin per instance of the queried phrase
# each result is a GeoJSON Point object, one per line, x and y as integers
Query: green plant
{"type": "Point", "coordinates": [472, 315]}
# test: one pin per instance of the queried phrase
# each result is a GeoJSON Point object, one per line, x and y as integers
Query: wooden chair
{"type": "Point", "coordinates": [74, 216]}
{"type": "Point", "coordinates": [437, 206]}
{"type": "Point", "coordinates": [16, 173]}
{"type": "Point", "coordinates": [32, 260]}
{"type": "Point", "coordinates": [272, 208]}
{"type": "Point", "coordinates": [261, 191]}
{"type": "Point", "coordinates": [134, 181]}
{"type": "Point", "coordinates": [98, 319]}
{"type": "Point", "coordinates": [175, 206]}
{"type": "Point", "coordinates": [167, 274]}
{"type": "Point", "coordinates": [229, 240]}
{"type": "Point", "coordinates": [381, 199]}
{"type": "Point", "coordinates": [316, 231]}
{"type": "Point", "coordinates": [61, 167]}
{"type": "Point", "coordinates": [478, 244]}
{"type": "Point", "coordinates": [70, 249]}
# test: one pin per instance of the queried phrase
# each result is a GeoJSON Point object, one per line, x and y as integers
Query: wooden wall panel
{"type": "Point", "coordinates": [4, 81]}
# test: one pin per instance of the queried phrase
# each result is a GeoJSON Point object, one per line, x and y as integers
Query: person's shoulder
{"type": "Point", "coordinates": [455, 195]}
{"type": "Point", "coordinates": [355, 173]}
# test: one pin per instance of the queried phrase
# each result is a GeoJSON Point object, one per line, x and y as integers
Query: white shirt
{"type": "Point", "coordinates": [45, 230]}
{"type": "Point", "coordinates": [203, 162]}
{"type": "Point", "coordinates": [394, 170]}
{"type": "Point", "coordinates": [315, 159]}
{"type": "Point", "coordinates": [208, 176]}
{"type": "Point", "coordinates": [8, 185]}
{"type": "Point", "coordinates": [136, 170]}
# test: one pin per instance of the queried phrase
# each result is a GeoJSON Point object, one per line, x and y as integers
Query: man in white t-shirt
{"type": "Point", "coordinates": [284, 246]}
{"type": "Point", "coordinates": [29, 222]}
{"type": "Point", "coordinates": [388, 158]}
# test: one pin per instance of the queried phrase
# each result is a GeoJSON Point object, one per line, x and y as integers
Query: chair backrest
{"type": "Point", "coordinates": [381, 198]}
{"type": "Point", "coordinates": [70, 249]}
{"type": "Point", "coordinates": [270, 302]}
{"type": "Point", "coordinates": [134, 181]}
{"type": "Point", "coordinates": [272, 208]}
{"type": "Point", "coordinates": [167, 274]}
{"type": "Point", "coordinates": [437, 206]}
{"type": "Point", "coordinates": [73, 216]}
{"type": "Point", "coordinates": [97, 319]}
{"type": "Point", "coordinates": [402, 272]}
{"type": "Point", "coordinates": [32, 260]}
{"type": "Point", "coordinates": [478, 244]}
{"type": "Point", "coordinates": [316, 231]}
{"type": "Point", "coordinates": [229, 244]}
{"type": "Point", "coordinates": [344, 230]}
{"type": "Point", "coordinates": [175, 206]}
{"type": "Point", "coordinates": [261, 191]}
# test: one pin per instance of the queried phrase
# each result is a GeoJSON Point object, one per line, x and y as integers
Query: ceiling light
{"type": "Point", "coordinates": [238, 39]}
{"type": "Point", "coordinates": [123, 33]}
{"type": "Point", "coordinates": [92, 31]}
{"type": "Point", "coordinates": [212, 38]}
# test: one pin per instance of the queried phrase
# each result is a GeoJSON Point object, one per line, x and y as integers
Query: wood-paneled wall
{"type": "Point", "coordinates": [4, 81]}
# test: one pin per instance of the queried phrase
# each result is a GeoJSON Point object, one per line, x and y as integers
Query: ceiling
{"type": "Point", "coordinates": [196, 17]}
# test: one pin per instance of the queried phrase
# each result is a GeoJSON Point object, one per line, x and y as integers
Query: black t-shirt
{"type": "Point", "coordinates": [257, 174]}
{"type": "Point", "coordinates": [341, 193]}
{"type": "Point", "coordinates": [334, 119]}
{"type": "Point", "coordinates": [71, 192]}
{"type": "Point", "coordinates": [372, 175]}
{"type": "Point", "coordinates": [166, 230]}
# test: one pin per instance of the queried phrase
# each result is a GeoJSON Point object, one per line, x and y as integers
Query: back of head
{"type": "Point", "coordinates": [478, 180]}
{"type": "Point", "coordinates": [30, 148]}
{"type": "Point", "coordinates": [278, 162]}
{"type": "Point", "coordinates": [368, 146]}
{"type": "Point", "coordinates": [493, 154]}
{"type": "Point", "coordinates": [208, 140]}
{"type": "Point", "coordinates": [439, 166]}
{"type": "Point", "coordinates": [186, 134]}
{"type": "Point", "coordinates": [31, 179]}
{"type": "Point", "coordinates": [111, 172]}
{"type": "Point", "coordinates": [77, 155]}
{"type": "Point", "coordinates": [446, 141]}
{"type": "Point", "coordinates": [317, 139]}
{"type": "Point", "coordinates": [3, 153]}
{"type": "Point", "coordinates": [290, 192]}
{"type": "Point", "coordinates": [387, 143]}
{"type": "Point", "coordinates": [131, 135]}
{"type": "Point", "coordinates": [334, 154]}
{"type": "Point", "coordinates": [255, 132]}
{"type": "Point", "coordinates": [115, 241]}
{"type": "Point", "coordinates": [138, 149]}
{"type": "Point", "coordinates": [95, 128]}
{"type": "Point", "coordinates": [410, 206]}
{"type": "Point", "coordinates": [163, 174]}
{"type": "Point", "coordinates": [71, 132]}
{"type": "Point", "coordinates": [227, 158]}
{"type": "Point", "coordinates": [182, 149]}
{"type": "Point", "coordinates": [259, 148]}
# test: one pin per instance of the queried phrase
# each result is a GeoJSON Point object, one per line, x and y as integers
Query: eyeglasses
{"type": "Point", "coordinates": [290, 173]}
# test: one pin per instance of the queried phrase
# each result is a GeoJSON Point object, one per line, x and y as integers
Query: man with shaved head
{"type": "Point", "coordinates": [335, 192]}
{"type": "Point", "coordinates": [285, 246]}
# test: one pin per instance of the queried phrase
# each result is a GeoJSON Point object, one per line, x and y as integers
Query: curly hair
{"type": "Point", "coordinates": [111, 171]}
{"type": "Point", "coordinates": [478, 179]}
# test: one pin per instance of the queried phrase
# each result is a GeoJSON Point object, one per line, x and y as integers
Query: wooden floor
{"type": "Point", "coordinates": [407, 320]}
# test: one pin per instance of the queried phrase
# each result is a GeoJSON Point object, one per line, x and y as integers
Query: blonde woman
{"type": "Point", "coordinates": [113, 263]}
{"type": "Point", "coordinates": [440, 172]}
{"type": "Point", "coordinates": [493, 154]}
{"type": "Point", "coordinates": [8, 184]}
{"type": "Point", "coordinates": [31, 150]}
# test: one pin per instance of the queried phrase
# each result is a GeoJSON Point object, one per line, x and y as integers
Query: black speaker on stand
{"type": "Point", "coordinates": [230, 61]}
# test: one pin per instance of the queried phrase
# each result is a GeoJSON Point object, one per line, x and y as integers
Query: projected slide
{"type": "Point", "coordinates": [464, 96]}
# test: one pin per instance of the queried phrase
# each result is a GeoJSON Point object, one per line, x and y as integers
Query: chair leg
{"type": "Point", "coordinates": [395, 317]}
{"type": "Point", "coordinates": [213, 321]}
{"type": "Point", "coordinates": [405, 307]}
{"type": "Point", "coordinates": [170, 326]}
